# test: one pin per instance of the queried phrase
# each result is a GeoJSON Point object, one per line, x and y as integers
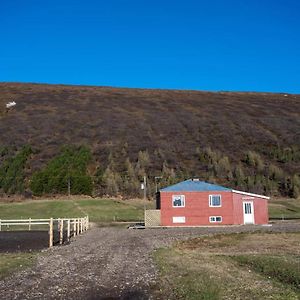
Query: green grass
{"type": "Point", "coordinates": [285, 208]}
{"type": "Point", "coordinates": [281, 268]}
{"type": "Point", "coordinates": [181, 282]}
{"type": "Point", "coordinates": [12, 262]}
{"type": "Point", "coordinates": [249, 266]}
{"type": "Point", "coordinates": [99, 210]}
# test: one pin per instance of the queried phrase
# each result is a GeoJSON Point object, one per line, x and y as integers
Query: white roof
{"type": "Point", "coordinates": [250, 194]}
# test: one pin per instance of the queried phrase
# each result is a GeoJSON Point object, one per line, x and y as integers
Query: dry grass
{"type": "Point", "coordinates": [246, 243]}
{"type": "Point", "coordinates": [226, 265]}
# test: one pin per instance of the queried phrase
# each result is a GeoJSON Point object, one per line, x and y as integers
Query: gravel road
{"type": "Point", "coordinates": [106, 263]}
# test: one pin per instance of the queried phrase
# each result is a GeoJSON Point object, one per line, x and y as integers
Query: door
{"type": "Point", "coordinates": [248, 212]}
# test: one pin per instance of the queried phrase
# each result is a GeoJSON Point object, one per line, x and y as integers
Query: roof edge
{"type": "Point", "coordinates": [250, 194]}
{"type": "Point", "coordinates": [227, 190]}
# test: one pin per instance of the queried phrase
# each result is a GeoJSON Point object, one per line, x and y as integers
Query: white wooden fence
{"type": "Point", "coordinates": [73, 226]}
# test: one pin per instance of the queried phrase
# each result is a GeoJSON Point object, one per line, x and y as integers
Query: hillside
{"type": "Point", "coordinates": [181, 133]}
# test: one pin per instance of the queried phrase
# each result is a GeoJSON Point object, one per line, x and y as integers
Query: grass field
{"type": "Point", "coordinates": [284, 208]}
{"type": "Point", "coordinates": [99, 210]}
{"type": "Point", "coordinates": [237, 266]}
{"type": "Point", "coordinates": [10, 262]}
{"type": "Point", "coordinates": [108, 210]}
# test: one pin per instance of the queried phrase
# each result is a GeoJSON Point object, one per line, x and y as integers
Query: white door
{"type": "Point", "coordinates": [248, 212]}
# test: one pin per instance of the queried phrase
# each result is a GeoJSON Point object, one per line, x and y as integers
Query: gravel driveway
{"type": "Point", "coordinates": [106, 263]}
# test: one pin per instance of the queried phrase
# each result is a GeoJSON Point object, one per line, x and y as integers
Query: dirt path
{"type": "Point", "coordinates": [105, 263]}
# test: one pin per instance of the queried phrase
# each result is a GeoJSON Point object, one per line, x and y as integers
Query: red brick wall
{"type": "Point", "coordinates": [261, 215]}
{"type": "Point", "coordinates": [196, 210]}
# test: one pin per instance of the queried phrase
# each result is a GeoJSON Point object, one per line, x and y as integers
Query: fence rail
{"type": "Point", "coordinates": [72, 226]}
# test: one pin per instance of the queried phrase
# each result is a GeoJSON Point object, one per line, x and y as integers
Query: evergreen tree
{"type": "Point", "coordinates": [69, 166]}
{"type": "Point", "coordinates": [12, 175]}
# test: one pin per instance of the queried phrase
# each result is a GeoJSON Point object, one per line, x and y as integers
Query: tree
{"type": "Point", "coordinates": [274, 172]}
{"type": "Point", "coordinates": [295, 186]}
{"type": "Point", "coordinates": [239, 176]}
{"type": "Point", "coordinates": [70, 165]}
{"type": "Point", "coordinates": [110, 181]}
{"type": "Point", "coordinates": [143, 163]}
{"type": "Point", "coordinates": [131, 182]}
{"type": "Point", "coordinates": [12, 175]}
{"type": "Point", "coordinates": [253, 159]}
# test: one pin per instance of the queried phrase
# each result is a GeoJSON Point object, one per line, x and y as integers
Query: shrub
{"type": "Point", "coordinates": [69, 166]}
{"type": "Point", "coordinates": [274, 172]}
{"type": "Point", "coordinates": [296, 186]}
{"type": "Point", "coordinates": [111, 182]}
{"type": "Point", "coordinates": [253, 159]}
{"type": "Point", "coordinates": [12, 175]}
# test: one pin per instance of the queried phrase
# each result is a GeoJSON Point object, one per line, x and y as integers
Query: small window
{"type": "Point", "coordinates": [178, 219]}
{"type": "Point", "coordinates": [215, 219]}
{"type": "Point", "coordinates": [215, 200]}
{"type": "Point", "coordinates": [178, 200]}
{"type": "Point", "coordinates": [248, 208]}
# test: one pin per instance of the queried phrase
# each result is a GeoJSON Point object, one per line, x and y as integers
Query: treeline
{"type": "Point", "coordinates": [66, 173]}
{"type": "Point", "coordinates": [252, 173]}
{"type": "Point", "coordinates": [73, 171]}
{"type": "Point", "coordinates": [126, 179]}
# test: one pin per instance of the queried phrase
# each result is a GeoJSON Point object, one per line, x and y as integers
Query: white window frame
{"type": "Point", "coordinates": [215, 221]}
{"type": "Point", "coordinates": [210, 201]}
{"type": "Point", "coordinates": [182, 199]}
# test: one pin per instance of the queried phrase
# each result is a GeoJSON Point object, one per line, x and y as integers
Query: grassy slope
{"type": "Point", "coordinates": [99, 210]}
{"type": "Point", "coordinates": [284, 208]}
{"type": "Point", "coordinates": [239, 266]}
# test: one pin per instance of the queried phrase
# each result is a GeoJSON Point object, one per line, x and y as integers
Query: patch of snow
{"type": "Point", "coordinates": [10, 104]}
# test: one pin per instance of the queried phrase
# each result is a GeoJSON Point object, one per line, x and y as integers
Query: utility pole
{"type": "Point", "coordinates": [145, 188]}
{"type": "Point", "coordinates": [69, 186]}
{"type": "Point", "coordinates": [145, 192]}
{"type": "Point", "coordinates": [155, 179]}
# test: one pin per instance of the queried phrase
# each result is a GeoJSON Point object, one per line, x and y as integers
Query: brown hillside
{"type": "Point", "coordinates": [170, 124]}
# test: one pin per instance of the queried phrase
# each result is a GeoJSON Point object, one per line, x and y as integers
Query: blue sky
{"type": "Point", "coordinates": [203, 45]}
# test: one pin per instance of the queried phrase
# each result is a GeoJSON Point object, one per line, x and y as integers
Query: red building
{"type": "Point", "coordinates": [193, 203]}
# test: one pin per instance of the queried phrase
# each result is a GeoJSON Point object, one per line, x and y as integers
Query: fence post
{"type": "Point", "coordinates": [77, 226]}
{"type": "Point", "coordinates": [51, 233]}
{"type": "Point", "coordinates": [29, 224]}
{"type": "Point", "coordinates": [68, 230]}
{"type": "Point", "coordinates": [81, 225]}
{"type": "Point", "coordinates": [61, 231]}
{"type": "Point", "coordinates": [87, 222]}
{"type": "Point", "coordinates": [74, 227]}
{"type": "Point", "coordinates": [0, 224]}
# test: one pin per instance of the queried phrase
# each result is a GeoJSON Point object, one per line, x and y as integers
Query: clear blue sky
{"type": "Point", "coordinates": [204, 45]}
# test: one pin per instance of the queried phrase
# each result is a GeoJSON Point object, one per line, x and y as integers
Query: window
{"type": "Point", "coordinates": [178, 219]}
{"type": "Point", "coordinates": [215, 200]}
{"type": "Point", "coordinates": [178, 200]}
{"type": "Point", "coordinates": [215, 219]}
{"type": "Point", "coordinates": [248, 209]}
